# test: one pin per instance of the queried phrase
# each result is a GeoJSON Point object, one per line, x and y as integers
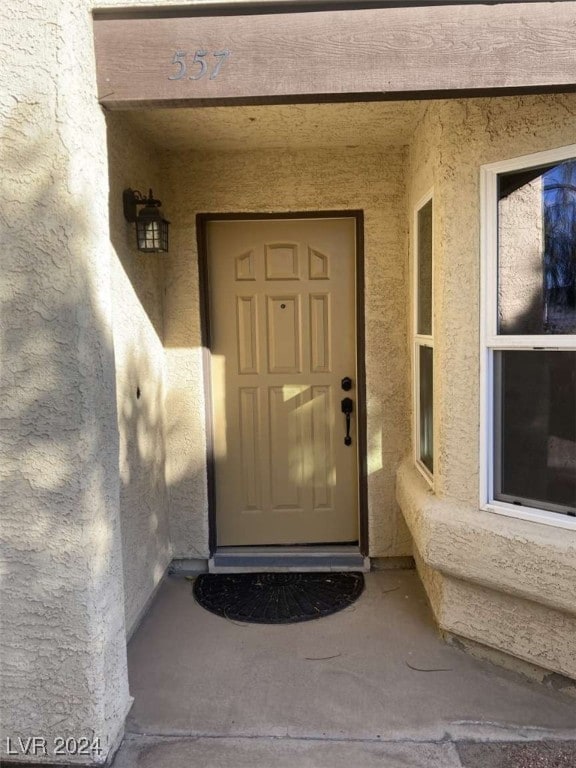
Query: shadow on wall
{"type": "Point", "coordinates": [137, 286]}
{"type": "Point", "coordinates": [62, 615]}
{"type": "Point", "coordinates": [143, 496]}
{"type": "Point", "coordinates": [149, 481]}
{"type": "Point", "coordinates": [133, 164]}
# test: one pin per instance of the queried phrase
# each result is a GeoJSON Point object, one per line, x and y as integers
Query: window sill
{"type": "Point", "coordinates": [425, 472]}
{"type": "Point", "coordinates": [542, 516]}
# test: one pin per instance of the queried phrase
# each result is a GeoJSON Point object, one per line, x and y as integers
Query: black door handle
{"type": "Point", "coordinates": [347, 408]}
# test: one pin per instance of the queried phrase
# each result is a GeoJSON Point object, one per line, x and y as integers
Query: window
{"type": "Point", "coordinates": [529, 337]}
{"type": "Point", "coordinates": [423, 365]}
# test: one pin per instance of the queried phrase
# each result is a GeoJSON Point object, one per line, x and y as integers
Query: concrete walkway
{"type": "Point", "coordinates": [371, 686]}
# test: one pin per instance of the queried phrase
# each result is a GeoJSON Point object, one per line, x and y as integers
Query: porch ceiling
{"type": "Point", "coordinates": [361, 126]}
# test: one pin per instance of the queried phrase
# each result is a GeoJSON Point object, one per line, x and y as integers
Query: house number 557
{"type": "Point", "coordinates": [201, 66]}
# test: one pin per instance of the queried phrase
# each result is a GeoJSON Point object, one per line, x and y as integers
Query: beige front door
{"type": "Point", "coordinates": [283, 331]}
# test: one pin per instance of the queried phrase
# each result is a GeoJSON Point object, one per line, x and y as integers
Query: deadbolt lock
{"type": "Point", "coordinates": [346, 383]}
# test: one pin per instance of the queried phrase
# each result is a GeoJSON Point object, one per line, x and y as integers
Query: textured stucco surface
{"type": "Point", "coordinates": [451, 141]}
{"type": "Point", "coordinates": [525, 629]}
{"type": "Point", "coordinates": [361, 126]}
{"type": "Point", "coordinates": [485, 575]}
{"type": "Point", "coordinates": [276, 181]}
{"type": "Point", "coordinates": [62, 625]}
{"type": "Point", "coordinates": [536, 562]}
{"type": "Point", "coordinates": [137, 293]}
{"type": "Point", "coordinates": [506, 583]}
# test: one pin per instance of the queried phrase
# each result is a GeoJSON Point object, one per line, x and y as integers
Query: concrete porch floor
{"type": "Point", "coordinates": [373, 685]}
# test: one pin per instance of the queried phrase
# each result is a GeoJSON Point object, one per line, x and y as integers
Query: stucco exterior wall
{"type": "Point", "coordinates": [62, 622]}
{"type": "Point", "coordinates": [452, 141]}
{"type": "Point", "coordinates": [63, 630]}
{"type": "Point", "coordinates": [523, 566]}
{"type": "Point", "coordinates": [276, 181]}
{"type": "Point", "coordinates": [137, 298]}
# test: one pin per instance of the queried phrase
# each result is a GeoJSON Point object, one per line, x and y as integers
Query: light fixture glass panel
{"type": "Point", "coordinates": [152, 235]}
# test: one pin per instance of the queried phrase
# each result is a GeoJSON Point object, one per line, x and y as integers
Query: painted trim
{"type": "Point", "coordinates": [202, 220]}
{"type": "Point", "coordinates": [142, 33]}
{"type": "Point", "coordinates": [362, 421]}
{"type": "Point", "coordinates": [555, 519]}
{"type": "Point", "coordinates": [533, 160]}
{"type": "Point", "coordinates": [292, 558]}
{"type": "Point", "coordinates": [491, 342]}
{"type": "Point", "coordinates": [205, 335]}
{"type": "Point", "coordinates": [417, 340]}
{"type": "Point", "coordinates": [260, 7]}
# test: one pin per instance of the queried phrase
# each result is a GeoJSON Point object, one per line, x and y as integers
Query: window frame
{"type": "Point", "coordinates": [491, 342]}
{"type": "Point", "coordinates": [421, 340]}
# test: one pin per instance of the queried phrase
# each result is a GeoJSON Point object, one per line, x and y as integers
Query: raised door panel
{"type": "Point", "coordinates": [324, 469]}
{"type": "Point", "coordinates": [247, 333]}
{"type": "Point", "coordinates": [283, 332]}
{"type": "Point", "coordinates": [318, 265]}
{"type": "Point", "coordinates": [250, 425]}
{"type": "Point", "coordinates": [286, 447]}
{"type": "Point", "coordinates": [246, 266]}
{"type": "Point", "coordinates": [320, 333]}
{"type": "Point", "coordinates": [282, 261]}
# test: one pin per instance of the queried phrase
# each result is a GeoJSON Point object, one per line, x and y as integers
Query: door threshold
{"type": "Point", "coordinates": [323, 558]}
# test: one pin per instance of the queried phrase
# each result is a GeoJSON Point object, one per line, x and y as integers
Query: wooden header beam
{"type": "Point", "coordinates": [259, 7]}
{"type": "Point", "coordinates": [336, 55]}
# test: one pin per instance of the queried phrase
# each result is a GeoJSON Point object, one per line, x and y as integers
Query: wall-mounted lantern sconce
{"type": "Point", "coordinates": [151, 226]}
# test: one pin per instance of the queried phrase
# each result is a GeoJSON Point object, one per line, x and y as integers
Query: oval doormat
{"type": "Point", "coordinates": [277, 598]}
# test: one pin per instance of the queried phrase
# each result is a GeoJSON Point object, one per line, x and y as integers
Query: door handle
{"type": "Point", "coordinates": [347, 408]}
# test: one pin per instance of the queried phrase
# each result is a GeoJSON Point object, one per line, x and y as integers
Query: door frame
{"type": "Point", "coordinates": [202, 220]}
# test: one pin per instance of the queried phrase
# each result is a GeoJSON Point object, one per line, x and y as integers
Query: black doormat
{"type": "Point", "coordinates": [277, 598]}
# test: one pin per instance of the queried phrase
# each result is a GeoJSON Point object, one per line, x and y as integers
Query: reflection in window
{"type": "Point", "coordinates": [537, 250]}
{"type": "Point", "coordinates": [423, 340]}
{"type": "Point", "coordinates": [426, 407]}
{"type": "Point", "coordinates": [424, 320]}
{"type": "Point", "coordinates": [535, 429]}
